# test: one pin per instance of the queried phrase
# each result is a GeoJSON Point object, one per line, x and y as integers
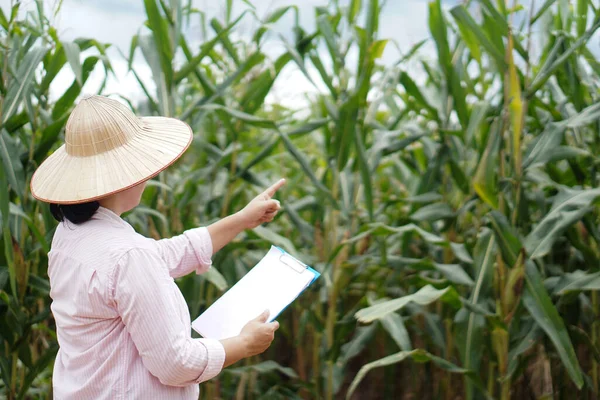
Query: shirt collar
{"type": "Point", "coordinates": [105, 214]}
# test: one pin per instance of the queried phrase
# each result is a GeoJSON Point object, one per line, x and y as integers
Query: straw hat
{"type": "Point", "coordinates": [107, 149]}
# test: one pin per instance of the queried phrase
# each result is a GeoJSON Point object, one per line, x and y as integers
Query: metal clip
{"type": "Point", "coordinates": [292, 263]}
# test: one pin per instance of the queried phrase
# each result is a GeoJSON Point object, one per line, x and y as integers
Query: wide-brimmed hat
{"type": "Point", "coordinates": [107, 149]}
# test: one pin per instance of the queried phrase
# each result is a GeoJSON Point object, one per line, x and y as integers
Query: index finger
{"type": "Point", "coordinates": [274, 325]}
{"type": "Point", "coordinates": [271, 191]}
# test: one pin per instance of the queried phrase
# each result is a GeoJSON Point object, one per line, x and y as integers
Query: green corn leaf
{"type": "Point", "coordinates": [217, 92]}
{"type": "Point", "coordinates": [413, 90]}
{"type": "Point", "coordinates": [454, 273]}
{"type": "Point", "coordinates": [583, 337]}
{"type": "Point", "coordinates": [73, 56]}
{"type": "Point", "coordinates": [420, 356]}
{"type": "Point", "coordinates": [577, 281]}
{"type": "Point", "coordinates": [506, 236]}
{"type": "Point", "coordinates": [470, 39]}
{"type": "Point", "coordinates": [536, 299]}
{"type": "Point", "coordinates": [49, 138]}
{"type": "Point", "coordinates": [582, 14]}
{"type": "Point", "coordinates": [263, 368]}
{"type": "Point", "coordinates": [280, 12]}
{"type": "Point", "coordinates": [538, 303]}
{"type": "Point", "coordinates": [4, 276]}
{"type": "Point", "coordinates": [18, 211]}
{"type": "Point", "coordinates": [372, 25]}
{"type": "Point", "coordinates": [564, 14]}
{"type": "Point", "coordinates": [205, 50]}
{"type": "Point", "coordinates": [379, 229]}
{"type": "Point", "coordinates": [306, 230]}
{"type": "Point", "coordinates": [346, 123]}
{"type": "Point", "coordinates": [426, 295]}
{"type": "Point", "coordinates": [271, 236]}
{"type": "Point", "coordinates": [40, 365]}
{"type": "Point", "coordinates": [469, 335]}
{"type": "Point", "coordinates": [587, 116]}
{"type": "Point", "coordinates": [527, 343]}
{"type": "Point", "coordinates": [145, 212]}
{"type": "Point", "coordinates": [66, 101]}
{"type": "Point", "coordinates": [389, 142]}
{"type": "Point", "coordinates": [551, 65]}
{"type": "Point", "coordinates": [305, 165]}
{"type": "Point", "coordinates": [462, 16]}
{"type": "Point", "coordinates": [394, 325]}
{"type": "Point", "coordinates": [478, 115]}
{"type": "Point", "coordinates": [470, 326]}
{"type": "Point", "coordinates": [424, 198]}
{"type": "Point", "coordinates": [6, 234]}
{"type": "Point", "coordinates": [563, 153]}
{"type": "Point", "coordinates": [242, 116]}
{"type": "Point", "coordinates": [224, 39]}
{"type": "Point", "coordinates": [549, 140]}
{"type": "Point", "coordinates": [20, 84]}
{"type": "Point", "coordinates": [16, 122]}
{"type": "Point", "coordinates": [328, 34]}
{"type": "Point", "coordinates": [162, 40]}
{"type": "Point", "coordinates": [569, 207]}
{"type": "Point", "coordinates": [458, 93]}
{"type": "Point", "coordinates": [53, 64]}
{"type": "Point", "coordinates": [459, 177]}
{"type": "Point", "coordinates": [547, 4]}
{"type": "Point", "coordinates": [271, 144]}
{"type": "Point", "coordinates": [3, 20]}
{"type": "Point", "coordinates": [515, 105]}
{"type": "Point", "coordinates": [354, 10]}
{"type": "Point", "coordinates": [433, 212]}
{"type": "Point", "coordinates": [228, 9]}
{"type": "Point", "coordinates": [318, 64]}
{"type": "Point", "coordinates": [215, 277]}
{"type": "Point", "coordinates": [133, 46]}
{"type": "Point", "coordinates": [356, 345]}
{"type": "Point", "coordinates": [298, 59]}
{"type": "Point", "coordinates": [259, 88]}
{"type": "Point", "coordinates": [13, 168]}
{"type": "Point", "coordinates": [501, 25]}
{"type": "Point", "coordinates": [437, 27]}
{"type": "Point", "coordinates": [461, 252]}
{"type": "Point", "coordinates": [484, 181]}
{"type": "Point", "coordinates": [365, 172]}
{"type": "Point", "coordinates": [153, 58]}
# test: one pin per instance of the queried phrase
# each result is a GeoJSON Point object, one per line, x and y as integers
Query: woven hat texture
{"type": "Point", "coordinates": [107, 149]}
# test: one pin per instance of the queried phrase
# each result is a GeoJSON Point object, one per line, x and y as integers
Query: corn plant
{"type": "Point", "coordinates": [30, 126]}
{"type": "Point", "coordinates": [452, 211]}
{"type": "Point", "coordinates": [507, 185]}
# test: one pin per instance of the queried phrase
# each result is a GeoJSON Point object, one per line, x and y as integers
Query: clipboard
{"type": "Point", "coordinates": [273, 284]}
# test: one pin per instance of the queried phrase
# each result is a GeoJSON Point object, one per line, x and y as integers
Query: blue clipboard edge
{"type": "Point", "coordinates": [316, 273]}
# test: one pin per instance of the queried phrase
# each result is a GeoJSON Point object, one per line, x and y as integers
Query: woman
{"type": "Point", "coordinates": [123, 325]}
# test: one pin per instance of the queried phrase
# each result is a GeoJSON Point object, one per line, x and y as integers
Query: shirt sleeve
{"type": "Point", "coordinates": [190, 251]}
{"type": "Point", "coordinates": [147, 300]}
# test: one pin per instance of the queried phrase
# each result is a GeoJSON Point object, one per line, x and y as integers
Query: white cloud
{"type": "Point", "coordinates": [106, 22]}
{"type": "Point", "coordinates": [116, 21]}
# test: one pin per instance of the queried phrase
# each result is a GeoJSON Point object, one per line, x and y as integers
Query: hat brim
{"type": "Point", "coordinates": [66, 179]}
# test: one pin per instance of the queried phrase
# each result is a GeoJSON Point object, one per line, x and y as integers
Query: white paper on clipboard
{"type": "Point", "coordinates": [272, 285]}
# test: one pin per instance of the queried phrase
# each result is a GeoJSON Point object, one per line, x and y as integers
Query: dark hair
{"type": "Point", "coordinates": [75, 213]}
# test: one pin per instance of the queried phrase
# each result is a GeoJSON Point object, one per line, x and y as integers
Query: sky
{"type": "Point", "coordinates": [117, 21]}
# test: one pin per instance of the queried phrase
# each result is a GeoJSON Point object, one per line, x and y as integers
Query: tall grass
{"type": "Point", "coordinates": [452, 210]}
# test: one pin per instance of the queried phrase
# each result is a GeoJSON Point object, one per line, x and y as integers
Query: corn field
{"type": "Point", "coordinates": [450, 199]}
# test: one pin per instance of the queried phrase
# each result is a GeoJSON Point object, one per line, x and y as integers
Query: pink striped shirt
{"type": "Point", "coordinates": [123, 325]}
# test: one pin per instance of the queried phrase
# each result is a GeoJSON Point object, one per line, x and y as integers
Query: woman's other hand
{"type": "Point", "coordinates": [259, 334]}
{"type": "Point", "coordinates": [263, 208]}
{"type": "Point", "coordinates": [256, 337]}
